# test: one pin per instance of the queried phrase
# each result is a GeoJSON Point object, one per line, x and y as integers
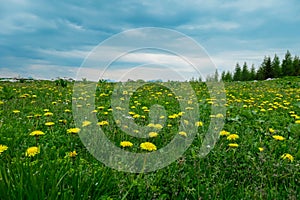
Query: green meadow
{"type": "Point", "coordinates": [256, 156]}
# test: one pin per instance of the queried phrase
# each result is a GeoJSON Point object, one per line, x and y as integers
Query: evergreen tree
{"type": "Point", "coordinates": [245, 73]}
{"type": "Point", "coordinates": [237, 73]}
{"type": "Point", "coordinates": [287, 65]}
{"type": "Point", "coordinates": [267, 68]}
{"type": "Point", "coordinates": [296, 65]}
{"type": "Point", "coordinates": [260, 75]}
{"type": "Point", "coordinates": [276, 67]}
{"type": "Point", "coordinates": [252, 73]}
{"type": "Point", "coordinates": [216, 76]}
{"type": "Point", "coordinates": [223, 76]}
{"type": "Point", "coordinates": [228, 76]}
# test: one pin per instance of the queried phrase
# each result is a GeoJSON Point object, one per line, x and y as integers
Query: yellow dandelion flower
{"type": "Point", "coordinates": [153, 134]}
{"type": "Point", "coordinates": [37, 115]}
{"type": "Point", "coordinates": [48, 114]}
{"type": "Point", "coordinates": [72, 154]}
{"type": "Point", "coordinates": [234, 145]}
{"type": "Point", "coordinates": [288, 156]}
{"type": "Point", "coordinates": [126, 144]}
{"type": "Point", "coordinates": [49, 123]}
{"type": "Point", "coordinates": [148, 146]}
{"type": "Point", "coordinates": [136, 116]}
{"type": "Point", "coordinates": [73, 130]}
{"type": "Point", "coordinates": [224, 133]}
{"type": "Point", "coordinates": [86, 123]}
{"type": "Point", "coordinates": [219, 115]}
{"type": "Point", "coordinates": [271, 130]}
{"type": "Point", "coordinates": [32, 151]}
{"type": "Point", "coordinates": [232, 137]}
{"type": "Point", "coordinates": [102, 123]}
{"type": "Point", "coordinates": [67, 110]}
{"type": "Point", "coordinates": [3, 148]}
{"type": "Point", "coordinates": [261, 149]}
{"type": "Point", "coordinates": [158, 126]}
{"type": "Point", "coordinates": [37, 133]}
{"type": "Point", "coordinates": [278, 137]}
{"type": "Point", "coordinates": [150, 125]}
{"type": "Point", "coordinates": [297, 121]}
{"type": "Point", "coordinates": [199, 124]}
{"type": "Point", "coordinates": [182, 133]}
{"type": "Point", "coordinates": [16, 111]}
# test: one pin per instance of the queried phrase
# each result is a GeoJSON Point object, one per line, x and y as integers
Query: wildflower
{"type": "Point", "coordinates": [37, 115]}
{"type": "Point", "coordinates": [37, 133]}
{"type": "Point", "coordinates": [234, 145]}
{"type": "Point", "coordinates": [199, 124]}
{"type": "Point", "coordinates": [153, 134]}
{"type": "Point", "coordinates": [32, 151]}
{"type": "Point", "coordinates": [16, 111]}
{"type": "Point", "coordinates": [158, 126]}
{"type": "Point", "coordinates": [3, 148]}
{"type": "Point", "coordinates": [72, 154]}
{"type": "Point", "coordinates": [260, 149]}
{"type": "Point", "coordinates": [232, 137]}
{"type": "Point", "coordinates": [219, 115]}
{"type": "Point", "coordinates": [183, 133]}
{"type": "Point", "coordinates": [126, 144]}
{"type": "Point", "coordinates": [224, 133]}
{"type": "Point", "coordinates": [288, 156]}
{"type": "Point", "coordinates": [297, 121]}
{"type": "Point", "coordinates": [151, 125]}
{"type": "Point", "coordinates": [271, 130]}
{"type": "Point", "coordinates": [63, 121]}
{"type": "Point", "coordinates": [73, 130]}
{"type": "Point", "coordinates": [136, 116]}
{"type": "Point", "coordinates": [102, 123]}
{"type": "Point", "coordinates": [67, 110]}
{"type": "Point", "coordinates": [49, 123]}
{"type": "Point", "coordinates": [48, 114]}
{"type": "Point", "coordinates": [278, 137]}
{"type": "Point", "coordinates": [86, 123]}
{"type": "Point", "coordinates": [148, 146]}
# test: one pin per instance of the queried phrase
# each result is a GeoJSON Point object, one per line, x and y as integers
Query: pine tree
{"type": "Point", "coordinates": [260, 75]}
{"type": "Point", "coordinates": [252, 73]}
{"type": "Point", "coordinates": [276, 67]}
{"type": "Point", "coordinates": [228, 76]}
{"type": "Point", "coordinates": [216, 76]}
{"type": "Point", "coordinates": [296, 65]}
{"type": "Point", "coordinates": [237, 73]}
{"type": "Point", "coordinates": [245, 73]}
{"type": "Point", "coordinates": [223, 76]}
{"type": "Point", "coordinates": [267, 68]}
{"type": "Point", "coordinates": [287, 65]}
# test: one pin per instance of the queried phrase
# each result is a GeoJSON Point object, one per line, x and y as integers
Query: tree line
{"type": "Point", "coordinates": [270, 68]}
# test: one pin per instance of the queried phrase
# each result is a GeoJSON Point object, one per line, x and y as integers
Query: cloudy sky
{"type": "Point", "coordinates": [49, 39]}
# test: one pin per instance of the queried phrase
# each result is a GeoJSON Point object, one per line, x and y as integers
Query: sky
{"type": "Point", "coordinates": [49, 39]}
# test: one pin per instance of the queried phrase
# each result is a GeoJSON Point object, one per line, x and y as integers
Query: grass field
{"type": "Point", "coordinates": [256, 157]}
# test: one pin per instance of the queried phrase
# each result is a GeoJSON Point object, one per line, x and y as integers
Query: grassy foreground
{"type": "Point", "coordinates": [256, 157]}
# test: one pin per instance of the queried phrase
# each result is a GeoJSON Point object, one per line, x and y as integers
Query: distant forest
{"type": "Point", "coordinates": [270, 68]}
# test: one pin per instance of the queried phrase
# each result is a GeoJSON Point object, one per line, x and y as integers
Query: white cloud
{"type": "Point", "coordinates": [211, 25]}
